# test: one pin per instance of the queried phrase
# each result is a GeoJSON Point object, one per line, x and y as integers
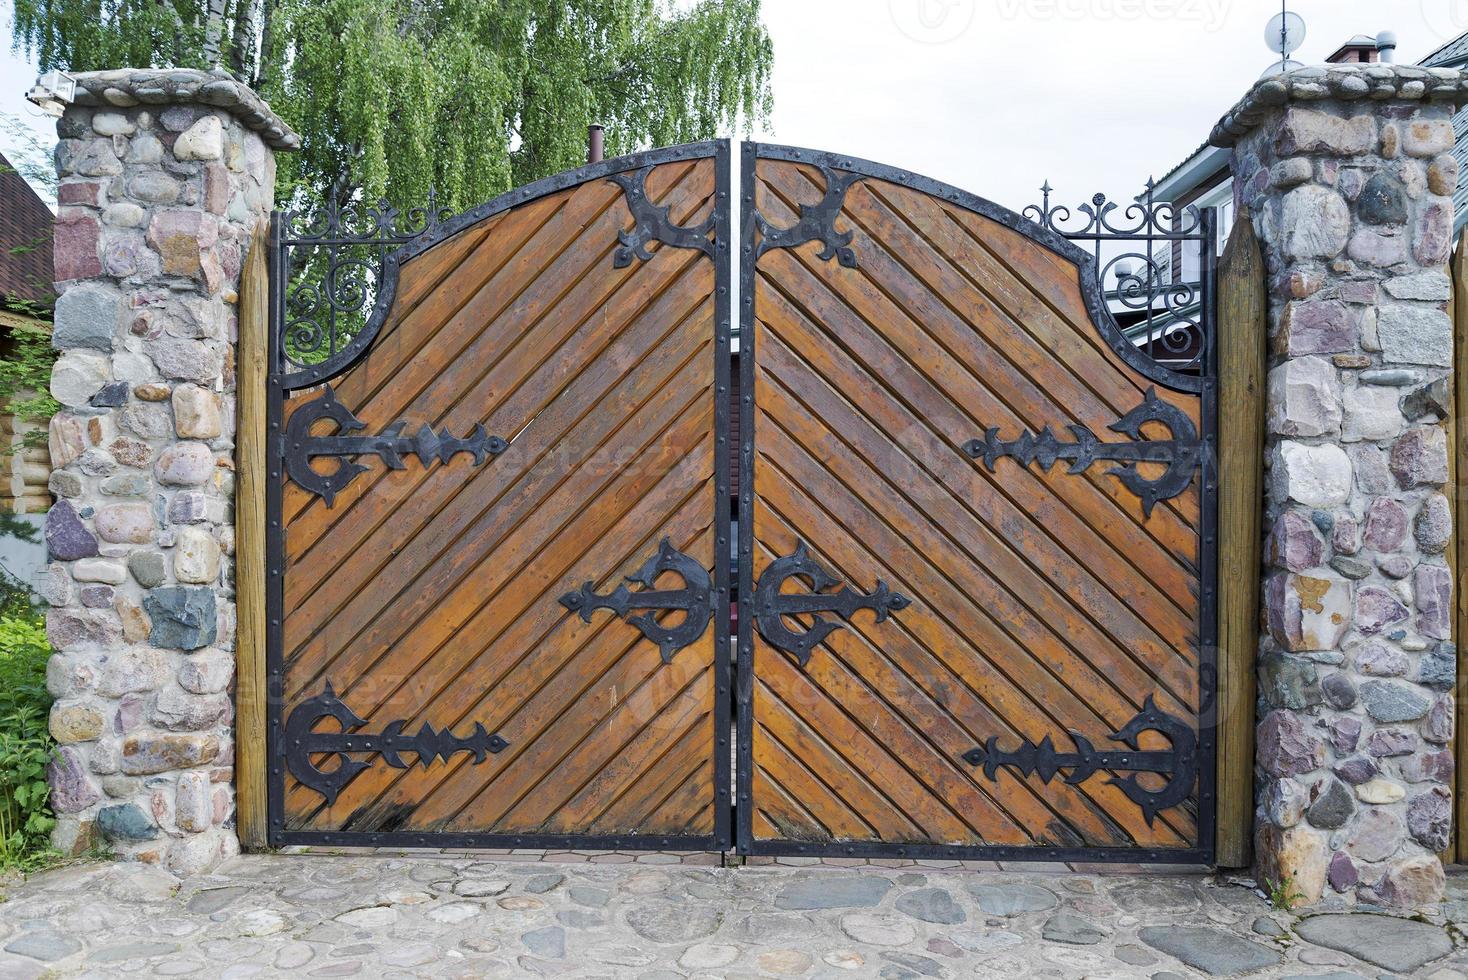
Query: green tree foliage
{"type": "Point", "coordinates": [469, 96]}
{"type": "Point", "coordinates": [25, 744]}
{"type": "Point", "coordinates": [25, 354]}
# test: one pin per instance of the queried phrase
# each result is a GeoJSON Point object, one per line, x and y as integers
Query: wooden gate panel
{"type": "Point", "coordinates": [431, 594]}
{"type": "Point", "coordinates": [1041, 601]}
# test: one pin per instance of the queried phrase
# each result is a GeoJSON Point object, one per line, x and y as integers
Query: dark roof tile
{"type": "Point", "coordinates": [25, 240]}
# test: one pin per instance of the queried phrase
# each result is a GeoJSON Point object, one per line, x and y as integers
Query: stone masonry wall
{"type": "Point", "coordinates": [163, 176]}
{"type": "Point", "coordinates": [1349, 176]}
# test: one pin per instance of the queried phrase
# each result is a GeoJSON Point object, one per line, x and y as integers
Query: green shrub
{"type": "Point", "coordinates": [25, 743]}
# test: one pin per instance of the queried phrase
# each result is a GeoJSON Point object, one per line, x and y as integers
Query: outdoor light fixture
{"type": "Point", "coordinates": [53, 92]}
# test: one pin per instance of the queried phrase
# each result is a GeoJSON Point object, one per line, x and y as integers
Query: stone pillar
{"type": "Point", "coordinates": [1348, 174]}
{"type": "Point", "coordinates": [163, 176]}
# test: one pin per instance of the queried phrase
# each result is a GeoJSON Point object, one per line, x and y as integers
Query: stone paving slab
{"type": "Point", "coordinates": [463, 916]}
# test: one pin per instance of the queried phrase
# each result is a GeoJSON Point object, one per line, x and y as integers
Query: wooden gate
{"type": "Point", "coordinates": [973, 559]}
{"type": "Point", "coordinates": [457, 657]}
{"type": "Point", "coordinates": [918, 361]}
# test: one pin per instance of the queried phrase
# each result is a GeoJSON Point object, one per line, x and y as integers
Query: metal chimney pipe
{"type": "Point", "coordinates": [1386, 46]}
{"type": "Point", "coordinates": [595, 145]}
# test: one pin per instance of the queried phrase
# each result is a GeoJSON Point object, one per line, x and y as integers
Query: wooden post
{"type": "Point", "coordinates": [1457, 553]}
{"type": "Point", "coordinates": [1242, 325]}
{"type": "Point", "coordinates": [251, 690]}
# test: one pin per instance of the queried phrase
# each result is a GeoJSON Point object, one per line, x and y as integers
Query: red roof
{"type": "Point", "coordinates": [25, 240]}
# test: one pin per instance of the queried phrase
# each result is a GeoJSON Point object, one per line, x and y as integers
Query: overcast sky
{"type": "Point", "coordinates": [997, 95]}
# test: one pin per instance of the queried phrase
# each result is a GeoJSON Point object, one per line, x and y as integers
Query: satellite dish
{"type": "Point", "coordinates": [1280, 67]}
{"type": "Point", "coordinates": [1285, 33]}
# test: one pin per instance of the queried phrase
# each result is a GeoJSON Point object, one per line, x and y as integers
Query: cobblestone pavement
{"type": "Point", "coordinates": [460, 916]}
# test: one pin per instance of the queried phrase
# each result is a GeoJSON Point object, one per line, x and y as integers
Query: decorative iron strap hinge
{"type": "Point", "coordinates": [301, 446]}
{"type": "Point", "coordinates": [771, 606]}
{"type": "Point", "coordinates": [695, 599]}
{"type": "Point", "coordinates": [302, 742]}
{"type": "Point", "coordinates": [1181, 452]}
{"type": "Point", "coordinates": [1179, 762]}
{"type": "Point", "coordinates": [653, 223]}
{"type": "Point", "coordinates": [817, 223]}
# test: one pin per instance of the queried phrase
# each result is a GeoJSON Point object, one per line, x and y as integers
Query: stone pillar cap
{"type": "Point", "coordinates": [127, 87]}
{"type": "Point", "coordinates": [1342, 83]}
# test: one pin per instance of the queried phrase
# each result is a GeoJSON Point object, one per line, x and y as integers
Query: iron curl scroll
{"type": "Point", "coordinates": [302, 741]}
{"type": "Point", "coordinates": [771, 606]}
{"type": "Point", "coordinates": [1181, 453]}
{"type": "Point", "coordinates": [695, 599]}
{"type": "Point", "coordinates": [1178, 762]}
{"type": "Point", "coordinates": [301, 446]}
{"type": "Point", "coordinates": [817, 223]}
{"type": "Point", "coordinates": [652, 222]}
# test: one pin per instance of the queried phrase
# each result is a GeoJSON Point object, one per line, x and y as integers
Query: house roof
{"type": "Point", "coordinates": [1450, 55]}
{"type": "Point", "coordinates": [25, 240]}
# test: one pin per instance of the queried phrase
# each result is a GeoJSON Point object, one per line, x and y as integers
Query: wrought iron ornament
{"type": "Point", "coordinates": [302, 742]}
{"type": "Point", "coordinates": [333, 256]}
{"type": "Point", "coordinates": [817, 223]}
{"type": "Point", "coordinates": [1179, 762]}
{"type": "Point", "coordinates": [772, 606]}
{"type": "Point", "coordinates": [696, 599]}
{"type": "Point", "coordinates": [301, 446]}
{"type": "Point", "coordinates": [653, 223]}
{"type": "Point", "coordinates": [1181, 452]}
{"type": "Point", "coordinates": [1148, 269]}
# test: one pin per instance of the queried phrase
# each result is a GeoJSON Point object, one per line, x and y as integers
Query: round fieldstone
{"type": "Point", "coordinates": [877, 929]}
{"type": "Point", "coordinates": [1209, 950]}
{"type": "Point", "coordinates": [185, 464]}
{"type": "Point", "coordinates": [1400, 945]}
{"type": "Point", "coordinates": [183, 617]}
{"type": "Point", "coordinates": [480, 887]}
{"type": "Point", "coordinates": [46, 945]}
{"type": "Point", "coordinates": [707, 956]}
{"type": "Point", "coordinates": [931, 905]}
{"type": "Point", "coordinates": [1063, 927]}
{"type": "Point", "coordinates": [1390, 703]}
{"type": "Point", "coordinates": [1376, 835]}
{"type": "Point", "coordinates": [1333, 805]}
{"type": "Point", "coordinates": [1340, 693]}
{"type": "Point", "coordinates": [540, 884]}
{"type": "Point", "coordinates": [548, 942]}
{"type": "Point", "coordinates": [126, 822]}
{"type": "Point", "coordinates": [1012, 899]}
{"type": "Point", "coordinates": [1383, 201]}
{"type": "Point", "coordinates": [67, 538]}
{"type": "Point", "coordinates": [846, 891]}
{"type": "Point", "coordinates": [1433, 525]}
{"type": "Point", "coordinates": [672, 924]}
{"type": "Point", "coordinates": [148, 567]}
{"type": "Point", "coordinates": [1429, 818]}
{"type": "Point", "coordinates": [125, 523]}
{"type": "Point", "coordinates": [784, 962]}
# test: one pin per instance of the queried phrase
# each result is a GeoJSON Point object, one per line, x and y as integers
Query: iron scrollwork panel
{"type": "Point", "coordinates": [695, 599]}
{"type": "Point", "coordinates": [1178, 762]}
{"type": "Point", "coordinates": [302, 742]}
{"type": "Point", "coordinates": [1181, 453]}
{"type": "Point", "coordinates": [771, 606]}
{"type": "Point", "coordinates": [301, 446]}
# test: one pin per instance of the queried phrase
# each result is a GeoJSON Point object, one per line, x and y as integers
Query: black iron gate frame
{"type": "Point", "coordinates": [734, 674]}
{"type": "Point", "coordinates": [285, 376]}
{"type": "Point", "coordinates": [1204, 384]}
